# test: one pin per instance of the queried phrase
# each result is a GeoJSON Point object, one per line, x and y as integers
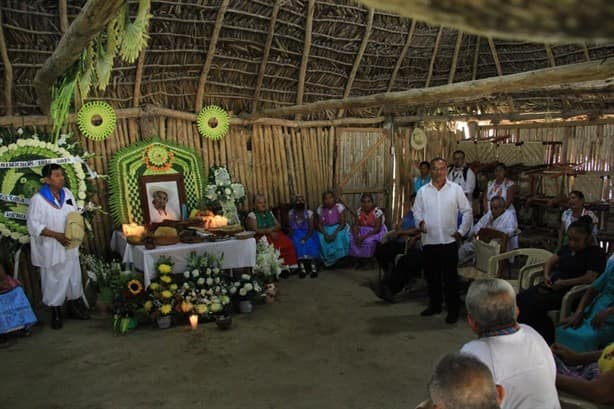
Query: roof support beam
{"type": "Point", "coordinates": [358, 58]}
{"type": "Point", "coordinates": [586, 54]}
{"type": "Point", "coordinates": [63, 12]}
{"type": "Point", "coordinates": [432, 64]}
{"type": "Point", "coordinates": [306, 49]}
{"type": "Point", "coordinates": [519, 20]}
{"type": "Point", "coordinates": [265, 56]}
{"type": "Point", "coordinates": [476, 58]}
{"type": "Point", "coordinates": [93, 18]}
{"type": "Point", "coordinates": [219, 20]}
{"type": "Point", "coordinates": [495, 56]}
{"type": "Point", "coordinates": [459, 40]}
{"type": "Point", "coordinates": [8, 71]}
{"type": "Point", "coordinates": [461, 91]}
{"type": "Point", "coordinates": [136, 99]}
{"type": "Point", "coordinates": [550, 55]}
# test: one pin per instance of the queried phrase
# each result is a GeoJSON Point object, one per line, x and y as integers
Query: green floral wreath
{"type": "Point", "coordinates": [213, 122]}
{"type": "Point", "coordinates": [89, 112]}
{"type": "Point", "coordinates": [24, 182]}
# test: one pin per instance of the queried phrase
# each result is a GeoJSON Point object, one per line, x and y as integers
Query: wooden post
{"type": "Point", "coordinates": [219, 20]}
{"type": "Point", "coordinates": [495, 56]}
{"type": "Point", "coordinates": [432, 64]}
{"type": "Point", "coordinates": [136, 100]}
{"type": "Point", "coordinates": [461, 91]}
{"type": "Point", "coordinates": [265, 56]}
{"type": "Point", "coordinates": [63, 12]}
{"type": "Point", "coordinates": [8, 71]}
{"type": "Point", "coordinates": [476, 58]}
{"type": "Point", "coordinates": [459, 39]}
{"type": "Point", "coordinates": [358, 58]}
{"type": "Point", "coordinates": [92, 19]}
{"type": "Point", "coordinates": [306, 49]}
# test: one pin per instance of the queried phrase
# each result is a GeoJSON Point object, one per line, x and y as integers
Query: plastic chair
{"type": "Point", "coordinates": [573, 402]}
{"type": "Point", "coordinates": [532, 269]}
{"type": "Point", "coordinates": [484, 251]}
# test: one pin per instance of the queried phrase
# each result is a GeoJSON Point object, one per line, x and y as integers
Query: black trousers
{"type": "Point", "coordinates": [440, 264]}
{"type": "Point", "coordinates": [534, 304]}
{"type": "Point", "coordinates": [408, 267]}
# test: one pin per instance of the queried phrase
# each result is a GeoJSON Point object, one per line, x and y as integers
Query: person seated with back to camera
{"type": "Point", "coordinates": [591, 326]}
{"type": "Point", "coordinates": [303, 237]}
{"type": "Point", "coordinates": [367, 231]}
{"type": "Point", "coordinates": [263, 222]}
{"type": "Point", "coordinates": [517, 356]}
{"type": "Point", "coordinates": [461, 381]}
{"type": "Point", "coordinates": [497, 218]}
{"type": "Point", "coordinates": [578, 262]}
{"type": "Point", "coordinates": [589, 374]}
{"type": "Point", "coordinates": [403, 239]}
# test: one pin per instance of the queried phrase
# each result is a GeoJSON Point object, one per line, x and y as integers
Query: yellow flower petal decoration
{"type": "Point", "coordinates": [166, 279]}
{"type": "Point", "coordinates": [135, 287]}
{"type": "Point", "coordinates": [164, 269]}
{"type": "Point", "coordinates": [167, 294]}
{"type": "Point", "coordinates": [166, 309]}
{"type": "Point", "coordinates": [154, 286]}
{"type": "Point", "coordinates": [174, 287]}
{"type": "Point", "coordinates": [148, 306]}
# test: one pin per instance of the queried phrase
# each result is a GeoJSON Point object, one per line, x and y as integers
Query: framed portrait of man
{"type": "Point", "coordinates": [161, 197]}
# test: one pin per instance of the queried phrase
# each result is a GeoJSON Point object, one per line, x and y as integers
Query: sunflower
{"type": "Point", "coordinates": [166, 279]}
{"type": "Point", "coordinates": [135, 287]}
{"type": "Point", "coordinates": [164, 269]}
{"type": "Point", "coordinates": [166, 309]}
{"type": "Point", "coordinates": [167, 294]}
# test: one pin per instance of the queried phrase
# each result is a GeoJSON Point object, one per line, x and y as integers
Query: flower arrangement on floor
{"type": "Point", "coordinates": [206, 290]}
{"type": "Point", "coordinates": [269, 263]}
{"type": "Point", "coordinates": [104, 277]}
{"type": "Point", "coordinates": [162, 293]}
{"type": "Point", "coordinates": [246, 288]}
{"type": "Point", "coordinates": [127, 301]}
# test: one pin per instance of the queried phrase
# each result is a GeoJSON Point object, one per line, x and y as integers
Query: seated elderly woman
{"type": "Point", "coordinates": [368, 229]}
{"type": "Point", "coordinates": [16, 315]}
{"type": "Point", "coordinates": [401, 240]}
{"type": "Point", "coordinates": [574, 212]}
{"type": "Point", "coordinates": [264, 223]}
{"type": "Point", "coordinates": [589, 375]}
{"type": "Point", "coordinates": [579, 262]}
{"type": "Point", "coordinates": [497, 218]}
{"type": "Point", "coordinates": [592, 325]}
{"type": "Point", "coordinates": [333, 231]}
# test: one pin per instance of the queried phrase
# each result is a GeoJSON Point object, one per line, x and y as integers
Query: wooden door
{"type": "Point", "coordinates": [363, 165]}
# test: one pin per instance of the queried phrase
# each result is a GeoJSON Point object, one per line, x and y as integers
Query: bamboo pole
{"type": "Point", "coordinates": [265, 56]}
{"type": "Point", "coordinates": [433, 57]}
{"type": "Point", "coordinates": [306, 50]}
{"type": "Point", "coordinates": [219, 20]}
{"type": "Point", "coordinates": [459, 40]}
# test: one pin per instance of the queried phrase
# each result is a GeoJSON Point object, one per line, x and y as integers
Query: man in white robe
{"type": "Point", "coordinates": [160, 210]}
{"type": "Point", "coordinates": [59, 267]}
{"type": "Point", "coordinates": [497, 218]}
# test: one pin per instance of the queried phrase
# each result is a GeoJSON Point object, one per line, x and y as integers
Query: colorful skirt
{"type": "Point", "coordinates": [15, 311]}
{"type": "Point", "coordinates": [585, 338]}
{"type": "Point", "coordinates": [366, 249]}
{"type": "Point", "coordinates": [286, 249]}
{"type": "Point", "coordinates": [311, 248]}
{"type": "Point", "coordinates": [331, 252]}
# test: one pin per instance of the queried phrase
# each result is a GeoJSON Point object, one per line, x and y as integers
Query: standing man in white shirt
{"type": "Point", "coordinates": [436, 212]}
{"type": "Point", "coordinates": [518, 357]}
{"type": "Point", "coordinates": [461, 174]}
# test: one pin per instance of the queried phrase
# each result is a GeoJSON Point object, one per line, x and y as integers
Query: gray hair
{"type": "Point", "coordinates": [491, 302]}
{"type": "Point", "coordinates": [461, 381]}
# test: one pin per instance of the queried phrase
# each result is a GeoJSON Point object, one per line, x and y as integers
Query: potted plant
{"type": "Point", "coordinates": [269, 263]}
{"type": "Point", "coordinates": [104, 278]}
{"type": "Point", "coordinates": [129, 299]}
{"type": "Point", "coordinates": [244, 290]}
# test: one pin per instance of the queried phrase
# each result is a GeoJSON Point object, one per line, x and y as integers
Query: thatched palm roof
{"type": "Point", "coordinates": [266, 54]}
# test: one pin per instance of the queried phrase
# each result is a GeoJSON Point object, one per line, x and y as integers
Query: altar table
{"type": "Point", "coordinates": [237, 254]}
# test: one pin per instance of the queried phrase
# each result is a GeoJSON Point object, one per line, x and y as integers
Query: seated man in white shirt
{"type": "Point", "coordinates": [518, 357]}
{"type": "Point", "coordinates": [497, 218]}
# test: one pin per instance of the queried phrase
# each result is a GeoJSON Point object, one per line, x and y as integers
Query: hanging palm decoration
{"type": "Point", "coordinates": [213, 122]}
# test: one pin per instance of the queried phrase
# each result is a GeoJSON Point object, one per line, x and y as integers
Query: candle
{"type": "Point", "coordinates": [194, 321]}
{"type": "Point", "coordinates": [133, 229]}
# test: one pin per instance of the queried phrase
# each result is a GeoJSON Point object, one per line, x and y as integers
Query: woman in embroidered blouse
{"type": "Point", "coordinates": [368, 230]}
{"type": "Point", "coordinates": [501, 186]}
{"type": "Point", "coordinates": [575, 211]}
{"type": "Point", "coordinates": [264, 223]}
{"type": "Point", "coordinates": [425, 176]}
{"type": "Point", "coordinates": [303, 237]}
{"type": "Point", "coordinates": [333, 231]}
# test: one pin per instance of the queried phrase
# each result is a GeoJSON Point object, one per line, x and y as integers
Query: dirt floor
{"type": "Point", "coordinates": [327, 343]}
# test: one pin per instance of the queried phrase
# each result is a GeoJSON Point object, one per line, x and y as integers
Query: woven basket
{"type": "Point", "coordinates": [166, 240]}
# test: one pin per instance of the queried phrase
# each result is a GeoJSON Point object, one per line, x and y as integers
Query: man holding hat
{"type": "Point", "coordinates": [56, 231]}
